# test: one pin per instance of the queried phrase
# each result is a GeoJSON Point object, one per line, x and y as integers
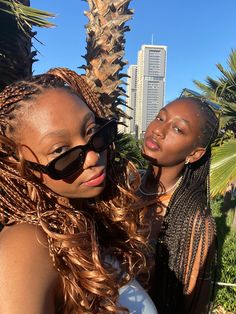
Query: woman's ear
{"type": "Point", "coordinates": [196, 154]}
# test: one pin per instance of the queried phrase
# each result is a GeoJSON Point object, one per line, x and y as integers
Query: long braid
{"type": "Point", "coordinates": [90, 285]}
{"type": "Point", "coordinates": [187, 222]}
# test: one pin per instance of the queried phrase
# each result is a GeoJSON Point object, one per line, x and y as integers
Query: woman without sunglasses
{"type": "Point", "coordinates": [64, 248]}
{"type": "Point", "coordinates": [177, 144]}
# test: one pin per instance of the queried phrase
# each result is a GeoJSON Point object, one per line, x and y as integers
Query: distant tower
{"type": "Point", "coordinates": [131, 100]}
{"type": "Point", "coordinates": [151, 77]}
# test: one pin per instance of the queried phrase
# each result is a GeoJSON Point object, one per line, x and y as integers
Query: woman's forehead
{"type": "Point", "coordinates": [54, 110]}
{"type": "Point", "coordinates": [58, 100]}
{"type": "Point", "coordinates": [185, 108]}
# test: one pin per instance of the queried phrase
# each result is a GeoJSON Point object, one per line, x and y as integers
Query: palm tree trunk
{"type": "Point", "coordinates": [105, 51]}
{"type": "Point", "coordinates": [16, 58]}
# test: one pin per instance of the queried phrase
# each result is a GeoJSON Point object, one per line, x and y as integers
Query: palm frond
{"type": "Point", "coordinates": [213, 84]}
{"type": "Point", "coordinates": [206, 89]}
{"type": "Point", "coordinates": [232, 61]}
{"type": "Point", "coordinates": [228, 76]}
{"type": "Point", "coordinates": [128, 148]}
{"type": "Point", "coordinates": [223, 90]}
{"type": "Point", "coordinates": [16, 21]}
{"type": "Point", "coordinates": [25, 15]}
{"type": "Point", "coordinates": [223, 169]}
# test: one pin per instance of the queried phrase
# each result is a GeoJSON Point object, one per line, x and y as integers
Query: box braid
{"type": "Point", "coordinates": [89, 286]}
{"type": "Point", "coordinates": [188, 220]}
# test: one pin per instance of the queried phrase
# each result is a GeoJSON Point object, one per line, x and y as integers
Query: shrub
{"type": "Point", "coordinates": [225, 296]}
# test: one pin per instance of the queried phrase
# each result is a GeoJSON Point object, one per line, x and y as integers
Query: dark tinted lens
{"type": "Point", "coordinates": [104, 137]}
{"type": "Point", "coordinates": [69, 162]}
{"type": "Point", "coordinates": [214, 105]}
{"type": "Point", "coordinates": [191, 92]}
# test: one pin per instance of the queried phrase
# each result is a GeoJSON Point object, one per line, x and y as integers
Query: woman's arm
{"type": "Point", "coordinates": [27, 277]}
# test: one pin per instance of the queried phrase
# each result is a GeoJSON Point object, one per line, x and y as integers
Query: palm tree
{"type": "Point", "coordinates": [16, 21]}
{"type": "Point", "coordinates": [129, 148]}
{"type": "Point", "coordinates": [105, 51]}
{"type": "Point", "coordinates": [223, 91]}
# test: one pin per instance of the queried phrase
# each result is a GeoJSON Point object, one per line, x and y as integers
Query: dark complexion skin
{"type": "Point", "coordinates": [53, 132]}
{"type": "Point", "coordinates": [171, 140]}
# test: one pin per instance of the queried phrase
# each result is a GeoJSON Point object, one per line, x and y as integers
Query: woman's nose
{"type": "Point", "coordinates": [91, 159]}
{"type": "Point", "coordinates": [159, 131]}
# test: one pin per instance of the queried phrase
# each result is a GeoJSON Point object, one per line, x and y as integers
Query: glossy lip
{"type": "Point", "coordinates": [96, 180]}
{"type": "Point", "coordinates": [151, 144]}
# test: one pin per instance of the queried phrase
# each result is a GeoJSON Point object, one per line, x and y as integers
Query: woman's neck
{"type": "Point", "coordinates": [160, 179]}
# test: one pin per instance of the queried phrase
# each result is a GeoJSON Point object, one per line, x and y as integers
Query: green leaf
{"type": "Point", "coordinates": [223, 167]}
{"type": "Point", "coordinates": [223, 90]}
{"type": "Point", "coordinates": [26, 15]}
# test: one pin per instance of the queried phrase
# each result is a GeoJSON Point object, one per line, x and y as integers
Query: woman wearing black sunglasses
{"type": "Point", "coordinates": [65, 248]}
{"type": "Point", "coordinates": [177, 144]}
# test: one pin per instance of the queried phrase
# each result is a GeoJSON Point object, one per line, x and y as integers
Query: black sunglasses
{"type": "Point", "coordinates": [71, 161]}
{"type": "Point", "coordinates": [216, 107]}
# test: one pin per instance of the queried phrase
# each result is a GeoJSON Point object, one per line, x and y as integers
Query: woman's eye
{"type": "Point", "coordinates": [178, 130]}
{"type": "Point", "coordinates": [92, 130]}
{"type": "Point", "coordinates": [159, 118]}
{"type": "Point", "coordinates": [59, 150]}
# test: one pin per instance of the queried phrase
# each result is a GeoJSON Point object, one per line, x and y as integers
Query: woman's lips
{"type": "Point", "coordinates": [152, 144]}
{"type": "Point", "coordinates": [96, 180]}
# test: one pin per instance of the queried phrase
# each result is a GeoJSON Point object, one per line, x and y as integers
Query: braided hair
{"type": "Point", "coordinates": [187, 226]}
{"type": "Point", "coordinates": [79, 234]}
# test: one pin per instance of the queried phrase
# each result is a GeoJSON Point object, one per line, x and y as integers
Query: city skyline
{"type": "Point", "coordinates": [198, 36]}
{"type": "Point", "coordinates": [146, 87]}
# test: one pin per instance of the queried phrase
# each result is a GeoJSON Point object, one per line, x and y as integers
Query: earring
{"type": "Point", "coordinates": [186, 162]}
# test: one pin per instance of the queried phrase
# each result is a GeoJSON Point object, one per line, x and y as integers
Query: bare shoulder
{"type": "Point", "coordinates": [23, 241]}
{"type": "Point", "coordinates": [26, 271]}
{"type": "Point", "coordinates": [21, 231]}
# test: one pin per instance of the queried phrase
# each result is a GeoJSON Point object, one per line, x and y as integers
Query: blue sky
{"type": "Point", "coordinates": [198, 34]}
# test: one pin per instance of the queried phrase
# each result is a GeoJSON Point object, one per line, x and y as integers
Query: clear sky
{"type": "Point", "coordinates": [198, 34]}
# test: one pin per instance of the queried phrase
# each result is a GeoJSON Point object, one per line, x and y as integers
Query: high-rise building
{"type": "Point", "coordinates": [146, 87]}
{"type": "Point", "coordinates": [151, 77]}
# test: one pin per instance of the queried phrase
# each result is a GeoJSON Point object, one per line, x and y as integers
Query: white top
{"type": "Point", "coordinates": [135, 299]}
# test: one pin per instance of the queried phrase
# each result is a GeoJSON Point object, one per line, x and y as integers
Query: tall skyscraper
{"type": "Point", "coordinates": [146, 86]}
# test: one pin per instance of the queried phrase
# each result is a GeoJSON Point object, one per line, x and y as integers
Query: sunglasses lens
{"type": "Point", "coordinates": [213, 105]}
{"type": "Point", "coordinates": [73, 160]}
{"type": "Point", "coordinates": [69, 163]}
{"type": "Point", "coordinates": [104, 137]}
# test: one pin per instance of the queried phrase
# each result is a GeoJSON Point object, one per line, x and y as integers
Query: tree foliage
{"type": "Point", "coordinates": [130, 148]}
{"type": "Point", "coordinates": [223, 91]}
{"type": "Point", "coordinates": [16, 55]}
{"type": "Point", "coordinates": [226, 270]}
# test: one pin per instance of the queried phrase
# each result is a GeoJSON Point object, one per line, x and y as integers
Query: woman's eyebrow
{"type": "Point", "coordinates": [179, 118]}
{"type": "Point", "coordinates": [57, 133]}
{"type": "Point", "coordinates": [162, 109]}
{"type": "Point", "coordinates": [185, 122]}
{"type": "Point", "coordinates": [88, 116]}
{"type": "Point", "coordinates": [63, 132]}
